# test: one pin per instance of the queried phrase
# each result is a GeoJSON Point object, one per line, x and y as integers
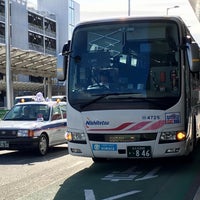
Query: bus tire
{"type": "Point", "coordinates": [194, 132]}
{"type": "Point", "coordinates": [190, 156]}
{"type": "Point", "coordinates": [98, 160]}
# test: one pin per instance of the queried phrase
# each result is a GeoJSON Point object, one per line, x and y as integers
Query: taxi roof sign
{"type": "Point", "coordinates": [39, 97]}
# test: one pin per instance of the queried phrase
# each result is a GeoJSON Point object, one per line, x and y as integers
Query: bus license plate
{"type": "Point", "coordinates": [139, 151]}
{"type": "Point", "coordinates": [4, 144]}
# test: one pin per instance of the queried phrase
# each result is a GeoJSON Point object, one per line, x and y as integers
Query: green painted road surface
{"type": "Point", "coordinates": [161, 179]}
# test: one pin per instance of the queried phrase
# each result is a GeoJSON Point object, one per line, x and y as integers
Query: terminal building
{"type": "Point", "coordinates": [37, 35]}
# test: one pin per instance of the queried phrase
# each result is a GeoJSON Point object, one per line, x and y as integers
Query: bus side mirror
{"type": "Point", "coordinates": [61, 68]}
{"type": "Point", "coordinates": [193, 57]}
{"type": "Point", "coordinates": [62, 62]}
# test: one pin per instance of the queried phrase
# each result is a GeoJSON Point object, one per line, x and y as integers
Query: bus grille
{"type": "Point", "coordinates": [122, 137]}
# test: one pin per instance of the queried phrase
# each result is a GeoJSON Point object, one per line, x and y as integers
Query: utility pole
{"type": "Point", "coordinates": [9, 82]}
{"type": "Point", "coordinates": [129, 7]}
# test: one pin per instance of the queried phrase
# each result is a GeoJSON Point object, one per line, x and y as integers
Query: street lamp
{"type": "Point", "coordinates": [171, 8]}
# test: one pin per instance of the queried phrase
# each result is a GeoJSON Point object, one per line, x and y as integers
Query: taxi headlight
{"type": "Point", "coordinates": [75, 136]}
{"type": "Point", "coordinates": [25, 133]}
{"type": "Point", "coordinates": [172, 136]}
{"type": "Point", "coordinates": [22, 133]}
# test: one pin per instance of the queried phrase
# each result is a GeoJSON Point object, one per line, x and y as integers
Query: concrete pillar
{"type": "Point", "coordinates": [49, 86]}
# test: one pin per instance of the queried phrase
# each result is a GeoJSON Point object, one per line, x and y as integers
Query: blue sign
{"type": "Point", "coordinates": [104, 147]}
{"type": "Point", "coordinates": [172, 118]}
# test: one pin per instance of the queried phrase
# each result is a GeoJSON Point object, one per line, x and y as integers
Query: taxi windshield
{"type": "Point", "coordinates": [30, 112]}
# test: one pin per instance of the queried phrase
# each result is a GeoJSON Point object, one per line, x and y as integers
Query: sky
{"type": "Point", "coordinates": [101, 9]}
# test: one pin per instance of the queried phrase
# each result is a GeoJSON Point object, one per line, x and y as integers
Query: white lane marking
{"type": "Point", "coordinates": [123, 195]}
{"type": "Point", "coordinates": [127, 175]}
{"type": "Point", "coordinates": [149, 175]}
{"type": "Point", "coordinates": [89, 195]}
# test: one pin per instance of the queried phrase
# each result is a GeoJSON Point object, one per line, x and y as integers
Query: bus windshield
{"type": "Point", "coordinates": [128, 64]}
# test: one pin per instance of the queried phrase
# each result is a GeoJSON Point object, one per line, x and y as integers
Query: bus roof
{"type": "Point", "coordinates": [123, 19]}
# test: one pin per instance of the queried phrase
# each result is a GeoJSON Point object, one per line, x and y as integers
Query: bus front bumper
{"type": "Point", "coordinates": [129, 150]}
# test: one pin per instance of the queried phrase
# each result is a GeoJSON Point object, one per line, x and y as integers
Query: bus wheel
{"type": "Point", "coordinates": [43, 145]}
{"type": "Point", "coordinates": [194, 132]}
{"type": "Point", "coordinates": [190, 156]}
{"type": "Point", "coordinates": [99, 160]}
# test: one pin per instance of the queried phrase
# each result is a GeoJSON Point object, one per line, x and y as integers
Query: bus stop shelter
{"type": "Point", "coordinates": [27, 62]}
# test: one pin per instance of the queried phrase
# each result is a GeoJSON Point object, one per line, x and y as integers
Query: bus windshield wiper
{"type": "Point", "coordinates": [153, 101]}
{"type": "Point", "coordinates": [102, 97]}
{"type": "Point", "coordinates": [140, 99]}
{"type": "Point", "coordinates": [97, 99]}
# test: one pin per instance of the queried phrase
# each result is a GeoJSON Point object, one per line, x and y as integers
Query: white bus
{"type": "Point", "coordinates": [149, 106]}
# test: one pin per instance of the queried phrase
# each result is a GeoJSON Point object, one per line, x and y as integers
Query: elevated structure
{"type": "Point", "coordinates": [37, 37]}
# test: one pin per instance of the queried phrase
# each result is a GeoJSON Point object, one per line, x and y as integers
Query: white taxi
{"type": "Point", "coordinates": [34, 125]}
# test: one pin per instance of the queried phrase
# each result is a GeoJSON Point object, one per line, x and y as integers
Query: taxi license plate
{"type": "Point", "coordinates": [139, 151]}
{"type": "Point", "coordinates": [4, 144]}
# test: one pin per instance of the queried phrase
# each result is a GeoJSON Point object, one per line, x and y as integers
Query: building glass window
{"type": "Point", "coordinates": [2, 7]}
{"type": "Point", "coordinates": [35, 38]}
{"type": "Point", "coordinates": [35, 20]}
{"type": "Point", "coordinates": [71, 16]}
{"type": "Point", "coordinates": [2, 29]}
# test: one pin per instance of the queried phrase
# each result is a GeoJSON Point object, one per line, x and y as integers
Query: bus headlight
{"type": "Point", "coordinates": [78, 137]}
{"type": "Point", "coordinates": [172, 136]}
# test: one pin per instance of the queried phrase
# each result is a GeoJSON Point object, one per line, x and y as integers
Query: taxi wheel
{"type": "Point", "coordinates": [43, 145]}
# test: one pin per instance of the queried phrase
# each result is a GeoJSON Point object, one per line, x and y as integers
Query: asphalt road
{"type": "Point", "coordinates": [60, 176]}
